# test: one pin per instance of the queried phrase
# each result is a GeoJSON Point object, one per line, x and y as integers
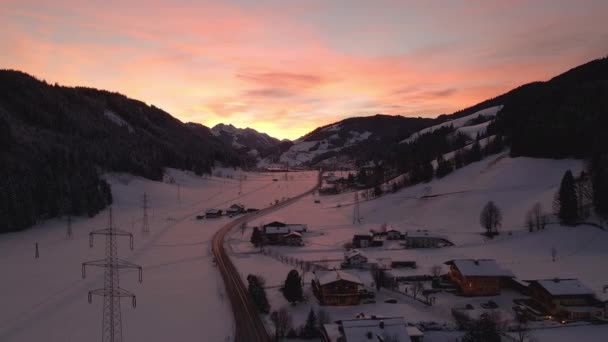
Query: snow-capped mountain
{"type": "Point", "coordinates": [247, 140]}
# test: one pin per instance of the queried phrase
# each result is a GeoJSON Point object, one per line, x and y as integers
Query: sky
{"type": "Point", "coordinates": [287, 67]}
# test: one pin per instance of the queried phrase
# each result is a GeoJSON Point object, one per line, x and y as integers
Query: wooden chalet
{"type": "Point", "coordinates": [336, 287]}
{"type": "Point", "coordinates": [566, 299]}
{"type": "Point", "coordinates": [482, 277]}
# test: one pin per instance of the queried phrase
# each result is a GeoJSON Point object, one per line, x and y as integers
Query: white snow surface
{"type": "Point", "coordinates": [304, 151]}
{"type": "Point", "coordinates": [561, 287]}
{"type": "Point", "coordinates": [182, 297]}
{"type": "Point", "coordinates": [116, 119]}
{"type": "Point", "coordinates": [480, 268]}
{"type": "Point", "coordinates": [458, 123]}
{"type": "Point", "coordinates": [449, 207]}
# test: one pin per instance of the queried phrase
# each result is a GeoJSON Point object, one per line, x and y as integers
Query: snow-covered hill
{"type": "Point", "coordinates": [342, 141]}
{"type": "Point", "coordinates": [468, 125]}
{"type": "Point", "coordinates": [248, 140]}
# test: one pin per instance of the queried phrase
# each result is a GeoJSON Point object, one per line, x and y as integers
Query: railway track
{"type": "Point", "coordinates": [248, 324]}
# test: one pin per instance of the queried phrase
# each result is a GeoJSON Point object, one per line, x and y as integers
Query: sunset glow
{"type": "Point", "coordinates": [287, 67]}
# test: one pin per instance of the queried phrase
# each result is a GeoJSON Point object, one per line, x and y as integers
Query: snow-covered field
{"type": "Point", "coordinates": [182, 295]}
{"type": "Point", "coordinates": [449, 207]}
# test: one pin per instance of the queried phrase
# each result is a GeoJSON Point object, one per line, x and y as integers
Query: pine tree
{"type": "Point", "coordinates": [444, 167]}
{"type": "Point", "coordinates": [292, 289]}
{"type": "Point", "coordinates": [474, 154]}
{"type": "Point", "coordinates": [566, 204]}
{"type": "Point", "coordinates": [598, 167]}
{"type": "Point", "coordinates": [257, 239]}
{"type": "Point", "coordinates": [310, 328]}
{"type": "Point", "coordinates": [258, 294]}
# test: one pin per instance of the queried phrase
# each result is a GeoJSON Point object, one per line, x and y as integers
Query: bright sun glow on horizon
{"type": "Point", "coordinates": [285, 68]}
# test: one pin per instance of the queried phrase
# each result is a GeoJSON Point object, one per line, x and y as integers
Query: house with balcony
{"type": "Point", "coordinates": [566, 299]}
{"type": "Point", "coordinates": [478, 277]}
{"type": "Point", "coordinates": [337, 287]}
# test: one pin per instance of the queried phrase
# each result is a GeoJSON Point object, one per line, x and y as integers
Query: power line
{"type": "Point", "coordinates": [145, 226]}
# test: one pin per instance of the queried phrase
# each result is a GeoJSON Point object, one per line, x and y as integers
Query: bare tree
{"type": "Point", "coordinates": [535, 218]}
{"type": "Point", "coordinates": [522, 330]}
{"type": "Point", "coordinates": [282, 322]}
{"type": "Point", "coordinates": [416, 287]}
{"type": "Point", "coordinates": [436, 271]}
{"type": "Point", "coordinates": [490, 218]}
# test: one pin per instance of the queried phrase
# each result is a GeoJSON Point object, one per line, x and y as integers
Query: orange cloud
{"type": "Point", "coordinates": [286, 68]}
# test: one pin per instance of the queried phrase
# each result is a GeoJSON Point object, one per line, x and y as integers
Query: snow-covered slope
{"type": "Point", "coordinates": [305, 151]}
{"type": "Point", "coordinates": [462, 124]}
{"type": "Point", "coordinates": [182, 297]}
{"type": "Point", "coordinates": [343, 141]}
{"type": "Point", "coordinates": [245, 139]}
{"type": "Point", "coordinates": [449, 207]}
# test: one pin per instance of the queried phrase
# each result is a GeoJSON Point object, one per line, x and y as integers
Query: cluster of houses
{"type": "Point", "coordinates": [280, 233]}
{"type": "Point", "coordinates": [233, 210]}
{"type": "Point", "coordinates": [409, 239]}
{"type": "Point", "coordinates": [562, 299]}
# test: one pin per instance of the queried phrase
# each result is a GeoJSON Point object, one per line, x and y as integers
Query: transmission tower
{"type": "Point", "coordinates": [69, 227]}
{"type": "Point", "coordinates": [179, 194]}
{"type": "Point", "coordinates": [145, 226]}
{"type": "Point", "coordinates": [356, 215]}
{"type": "Point", "coordinates": [111, 292]}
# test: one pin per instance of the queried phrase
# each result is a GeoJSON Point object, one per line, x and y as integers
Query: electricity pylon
{"type": "Point", "coordinates": [111, 292]}
{"type": "Point", "coordinates": [145, 226]}
{"type": "Point", "coordinates": [356, 215]}
{"type": "Point", "coordinates": [69, 227]}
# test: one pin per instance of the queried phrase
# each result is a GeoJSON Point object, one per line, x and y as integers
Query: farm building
{"type": "Point", "coordinates": [482, 277]}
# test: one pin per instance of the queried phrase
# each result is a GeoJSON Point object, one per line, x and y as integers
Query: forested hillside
{"type": "Point", "coordinates": [56, 141]}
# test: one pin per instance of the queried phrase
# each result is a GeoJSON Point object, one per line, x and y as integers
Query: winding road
{"type": "Point", "coordinates": [248, 324]}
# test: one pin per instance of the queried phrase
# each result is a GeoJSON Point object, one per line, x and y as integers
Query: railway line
{"type": "Point", "coordinates": [248, 324]}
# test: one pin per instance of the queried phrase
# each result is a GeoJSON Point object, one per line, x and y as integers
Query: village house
{"type": "Point", "coordinates": [482, 277]}
{"type": "Point", "coordinates": [211, 213]}
{"type": "Point", "coordinates": [362, 240]}
{"type": "Point", "coordinates": [293, 239]}
{"type": "Point", "coordinates": [354, 258]}
{"type": "Point", "coordinates": [393, 234]}
{"type": "Point", "coordinates": [424, 239]}
{"type": "Point", "coordinates": [278, 233]}
{"type": "Point", "coordinates": [371, 329]}
{"type": "Point", "coordinates": [235, 209]}
{"type": "Point", "coordinates": [566, 299]}
{"type": "Point", "coordinates": [336, 287]}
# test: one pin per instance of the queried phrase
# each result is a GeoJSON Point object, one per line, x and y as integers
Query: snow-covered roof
{"type": "Point", "coordinates": [213, 211]}
{"type": "Point", "coordinates": [480, 268]}
{"type": "Point", "coordinates": [276, 230]}
{"type": "Point", "coordinates": [332, 331]}
{"type": "Point", "coordinates": [379, 329]}
{"type": "Point", "coordinates": [353, 253]}
{"type": "Point", "coordinates": [414, 331]}
{"type": "Point", "coordinates": [294, 234]}
{"type": "Point", "coordinates": [564, 287]}
{"type": "Point", "coordinates": [328, 277]}
{"type": "Point", "coordinates": [423, 233]}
